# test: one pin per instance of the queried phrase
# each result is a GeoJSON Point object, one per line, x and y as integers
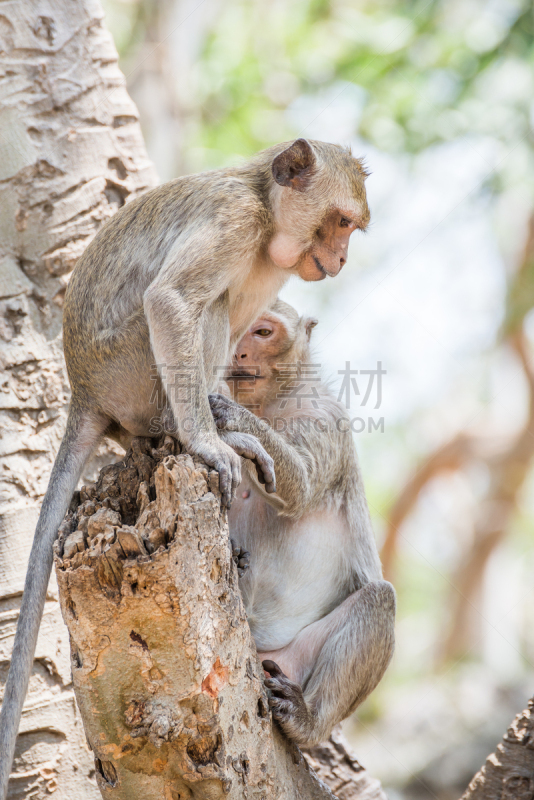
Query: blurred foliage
{"type": "Point", "coordinates": [427, 69]}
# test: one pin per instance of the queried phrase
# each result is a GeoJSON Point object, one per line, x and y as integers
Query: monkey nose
{"type": "Point", "coordinates": [342, 261]}
{"type": "Point", "coordinates": [243, 355]}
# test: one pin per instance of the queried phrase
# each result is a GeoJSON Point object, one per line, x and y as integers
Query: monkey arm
{"type": "Point", "coordinates": [315, 463]}
{"type": "Point", "coordinates": [176, 320]}
{"type": "Point", "coordinates": [293, 480]}
{"type": "Point", "coordinates": [175, 335]}
{"type": "Point", "coordinates": [250, 448]}
{"type": "Point", "coordinates": [187, 307]}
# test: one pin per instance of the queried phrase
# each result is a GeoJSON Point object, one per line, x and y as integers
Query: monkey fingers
{"type": "Point", "coordinates": [229, 480]}
{"type": "Point", "coordinates": [221, 401]}
{"type": "Point", "coordinates": [224, 423]}
{"type": "Point", "coordinates": [271, 667]}
{"type": "Point", "coordinates": [248, 446]}
{"type": "Point", "coordinates": [240, 557]}
{"type": "Point", "coordinates": [222, 458]}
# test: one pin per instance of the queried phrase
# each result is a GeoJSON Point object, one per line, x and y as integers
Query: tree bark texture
{"type": "Point", "coordinates": [71, 153]}
{"type": "Point", "coordinates": [337, 766]}
{"type": "Point", "coordinates": [508, 773]}
{"type": "Point", "coordinates": [164, 666]}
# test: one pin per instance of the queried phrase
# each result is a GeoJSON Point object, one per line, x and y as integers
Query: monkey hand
{"type": "Point", "coordinates": [240, 557]}
{"type": "Point", "coordinates": [225, 460]}
{"type": "Point", "coordinates": [249, 447]}
{"type": "Point", "coordinates": [230, 416]}
{"type": "Point", "coordinates": [287, 704]}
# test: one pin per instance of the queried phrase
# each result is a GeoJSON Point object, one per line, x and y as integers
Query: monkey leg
{"type": "Point", "coordinates": [332, 665]}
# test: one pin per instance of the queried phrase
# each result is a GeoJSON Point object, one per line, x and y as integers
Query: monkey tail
{"type": "Point", "coordinates": [82, 433]}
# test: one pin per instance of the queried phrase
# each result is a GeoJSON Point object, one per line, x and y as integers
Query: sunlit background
{"type": "Point", "coordinates": [438, 99]}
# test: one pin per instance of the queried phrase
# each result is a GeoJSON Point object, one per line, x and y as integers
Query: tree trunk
{"type": "Point", "coordinates": [508, 773]}
{"type": "Point", "coordinates": [71, 153]}
{"type": "Point", "coordinates": [164, 666]}
{"type": "Point", "coordinates": [164, 48]}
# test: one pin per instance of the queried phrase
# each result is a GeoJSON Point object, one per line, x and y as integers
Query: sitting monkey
{"type": "Point", "coordinates": [320, 613]}
{"type": "Point", "coordinates": [157, 301]}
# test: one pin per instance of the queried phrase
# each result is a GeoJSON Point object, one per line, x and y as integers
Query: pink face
{"type": "Point", "coordinates": [256, 354]}
{"type": "Point", "coordinates": [262, 342]}
{"type": "Point", "coordinates": [329, 252]}
{"type": "Point", "coordinates": [314, 254]}
{"type": "Point", "coordinates": [326, 255]}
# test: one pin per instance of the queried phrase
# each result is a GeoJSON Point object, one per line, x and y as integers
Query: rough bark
{"type": "Point", "coordinates": [508, 773]}
{"type": "Point", "coordinates": [337, 766]}
{"type": "Point", "coordinates": [71, 153]}
{"type": "Point", "coordinates": [164, 666]}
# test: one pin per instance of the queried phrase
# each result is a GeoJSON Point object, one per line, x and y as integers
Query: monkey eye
{"type": "Point", "coordinates": [345, 222]}
{"type": "Point", "coordinates": [263, 332]}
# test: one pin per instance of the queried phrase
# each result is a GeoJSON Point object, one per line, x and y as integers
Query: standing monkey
{"type": "Point", "coordinates": [175, 279]}
{"type": "Point", "coordinates": [320, 613]}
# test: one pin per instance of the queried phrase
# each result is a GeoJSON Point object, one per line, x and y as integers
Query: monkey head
{"type": "Point", "coordinates": [318, 198]}
{"type": "Point", "coordinates": [279, 337]}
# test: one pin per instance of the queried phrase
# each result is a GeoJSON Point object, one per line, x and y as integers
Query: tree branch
{"type": "Point", "coordinates": [508, 773]}
{"type": "Point", "coordinates": [337, 766]}
{"type": "Point", "coordinates": [450, 456]}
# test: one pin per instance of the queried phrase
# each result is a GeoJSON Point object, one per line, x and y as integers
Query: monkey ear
{"type": "Point", "coordinates": [310, 324]}
{"type": "Point", "coordinates": [294, 166]}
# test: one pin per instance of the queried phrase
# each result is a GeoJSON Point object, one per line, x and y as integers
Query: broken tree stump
{"type": "Point", "coordinates": [164, 665]}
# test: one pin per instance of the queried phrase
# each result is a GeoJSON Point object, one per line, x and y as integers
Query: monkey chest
{"type": "Point", "coordinates": [295, 572]}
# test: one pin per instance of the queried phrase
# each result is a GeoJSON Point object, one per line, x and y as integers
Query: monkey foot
{"type": "Point", "coordinates": [241, 558]}
{"type": "Point", "coordinates": [287, 703]}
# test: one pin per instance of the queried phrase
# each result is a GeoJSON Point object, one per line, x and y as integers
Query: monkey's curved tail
{"type": "Point", "coordinates": [81, 436]}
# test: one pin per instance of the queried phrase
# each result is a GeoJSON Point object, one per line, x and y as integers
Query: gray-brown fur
{"type": "Point", "coordinates": [175, 279]}
{"type": "Point", "coordinates": [320, 613]}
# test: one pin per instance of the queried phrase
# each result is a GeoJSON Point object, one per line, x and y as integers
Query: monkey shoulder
{"type": "Point", "coordinates": [214, 197]}
{"type": "Point", "coordinates": [322, 429]}
{"type": "Point", "coordinates": [108, 283]}
{"type": "Point", "coordinates": [149, 225]}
